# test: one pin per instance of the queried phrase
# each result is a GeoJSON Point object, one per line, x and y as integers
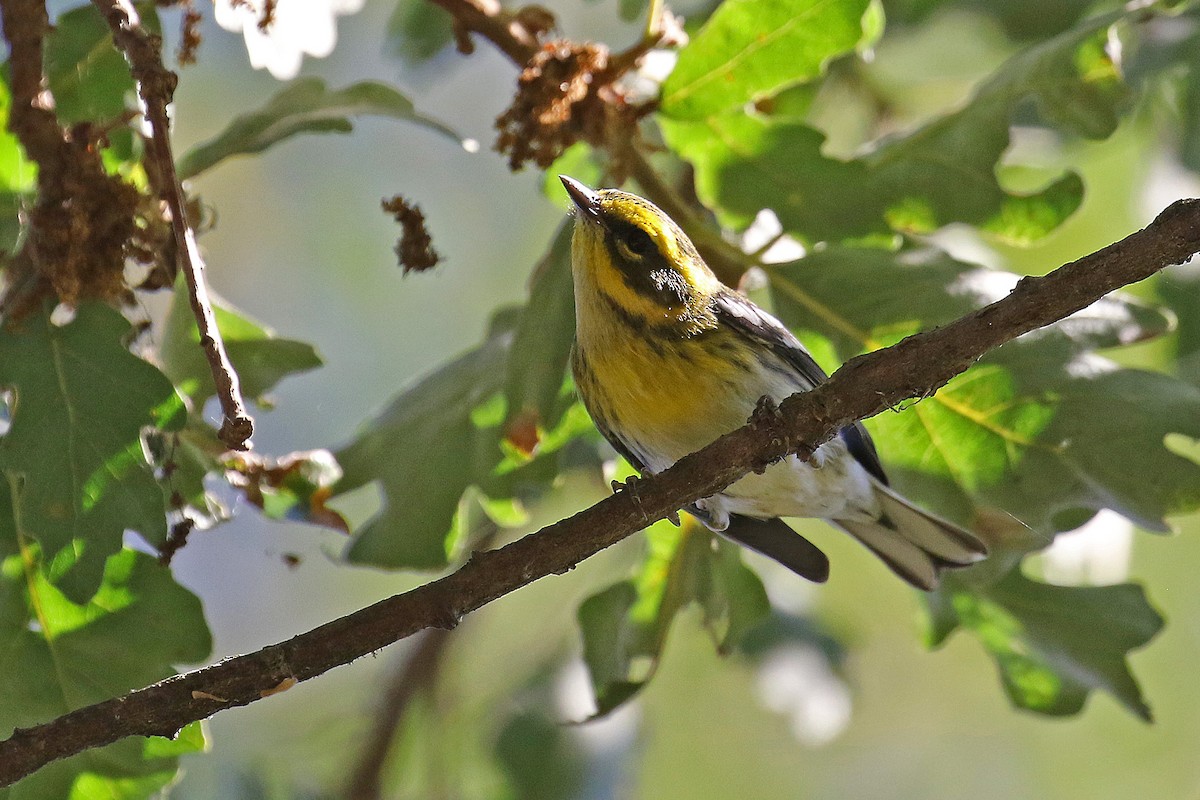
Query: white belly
{"type": "Point", "coordinates": [830, 485]}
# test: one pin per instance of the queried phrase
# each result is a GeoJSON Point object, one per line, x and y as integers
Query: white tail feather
{"type": "Point", "coordinates": [916, 544]}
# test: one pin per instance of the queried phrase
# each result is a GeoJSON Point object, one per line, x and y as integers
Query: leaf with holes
{"type": "Point", "coordinates": [73, 455]}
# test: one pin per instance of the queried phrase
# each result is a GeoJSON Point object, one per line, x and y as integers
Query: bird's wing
{"type": "Point", "coordinates": [757, 325]}
{"type": "Point", "coordinates": [624, 449]}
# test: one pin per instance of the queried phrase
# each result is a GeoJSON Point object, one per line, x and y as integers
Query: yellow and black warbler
{"type": "Point", "coordinates": [667, 359]}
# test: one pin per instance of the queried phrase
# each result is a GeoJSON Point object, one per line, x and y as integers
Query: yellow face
{"type": "Point", "coordinates": [631, 254]}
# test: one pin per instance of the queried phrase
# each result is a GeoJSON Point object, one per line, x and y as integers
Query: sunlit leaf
{"type": "Point", "coordinates": [1054, 644]}
{"type": "Point", "coordinates": [941, 173]}
{"type": "Point", "coordinates": [88, 76]}
{"type": "Point", "coordinates": [74, 451]}
{"type": "Point", "coordinates": [17, 173]}
{"type": "Point", "coordinates": [749, 48]}
{"type": "Point", "coordinates": [304, 106]}
{"type": "Point", "coordinates": [57, 656]}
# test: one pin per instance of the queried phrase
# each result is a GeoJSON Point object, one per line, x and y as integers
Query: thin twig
{"type": "Point", "coordinates": [414, 677]}
{"type": "Point", "coordinates": [502, 29]}
{"type": "Point", "coordinates": [156, 86]}
{"type": "Point", "coordinates": [31, 116]}
{"type": "Point", "coordinates": [866, 385]}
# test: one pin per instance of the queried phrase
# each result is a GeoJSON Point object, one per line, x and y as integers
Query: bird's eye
{"type": "Point", "coordinates": [638, 243]}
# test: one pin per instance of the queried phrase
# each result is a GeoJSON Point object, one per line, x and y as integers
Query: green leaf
{"type": "Point", "coordinates": [1054, 644]}
{"type": "Point", "coordinates": [750, 48]}
{"type": "Point", "coordinates": [849, 295]}
{"type": "Point", "coordinates": [629, 10]}
{"type": "Point", "coordinates": [74, 450]}
{"type": "Point", "coordinates": [1189, 147]}
{"type": "Point", "coordinates": [17, 174]}
{"type": "Point", "coordinates": [260, 358]}
{"type": "Point", "coordinates": [541, 347]}
{"type": "Point", "coordinates": [1179, 287]}
{"type": "Point", "coordinates": [1028, 20]}
{"type": "Point", "coordinates": [1033, 428]}
{"type": "Point", "coordinates": [745, 162]}
{"type": "Point", "coordinates": [304, 106]}
{"type": "Point", "coordinates": [57, 655]}
{"type": "Point", "coordinates": [625, 626]}
{"type": "Point", "coordinates": [87, 75]}
{"type": "Point", "coordinates": [417, 31]}
{"type": "Point", "coordinates": [18, 177]}
{"type": "Point", "coordinates": [495, 419]}
{"type": "Point", "coordinates": [540, 759]}
{"type": "Point", "coordinates": [431, 443]}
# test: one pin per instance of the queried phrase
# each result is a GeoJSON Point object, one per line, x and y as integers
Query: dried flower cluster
{"type": "Point", "coordinates": [558, 103]}
{"type": "Point", "coordinates": [415, 248]}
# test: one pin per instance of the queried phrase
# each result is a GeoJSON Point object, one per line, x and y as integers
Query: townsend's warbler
{"type": "Point", "coordinates": [667, 359]}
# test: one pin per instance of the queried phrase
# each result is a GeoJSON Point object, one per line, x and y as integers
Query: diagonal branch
{"type": "Point", "coordinates": [156, 86]}
{"type": "Point", "coordinates": [867, 385]}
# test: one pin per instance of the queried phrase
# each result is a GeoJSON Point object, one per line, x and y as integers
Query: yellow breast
{"type": "Point", "coordinates": [670, 394]}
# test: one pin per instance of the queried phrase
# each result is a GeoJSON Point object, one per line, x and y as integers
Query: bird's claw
{"type": "Point", "coordinates": [766, 413]}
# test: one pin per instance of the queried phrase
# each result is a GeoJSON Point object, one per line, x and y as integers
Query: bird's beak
{"type": "Point", "coordinates": [587, 201]}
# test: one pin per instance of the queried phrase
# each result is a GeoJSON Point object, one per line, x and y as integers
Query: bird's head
{"type": "Point", "coordinates": [626, 248]}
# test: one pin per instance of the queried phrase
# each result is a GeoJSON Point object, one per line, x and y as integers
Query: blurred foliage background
{"type": "Point", "coordinates": [835, 694]}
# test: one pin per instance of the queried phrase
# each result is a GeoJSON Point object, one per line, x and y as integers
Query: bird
{"type": "Point", "coordinates": [666, 359]}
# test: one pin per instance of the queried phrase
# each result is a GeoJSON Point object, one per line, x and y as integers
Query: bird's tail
{"type": "Point", "coordinates": [916, 544]}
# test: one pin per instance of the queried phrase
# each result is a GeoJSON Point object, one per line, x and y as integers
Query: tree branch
{"type": "Point", "coordinates": [488, 18]}
{"type": "Point", "coordinates": [156, 86]}
{"type": "Point", "coordinates": [866, 385]}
